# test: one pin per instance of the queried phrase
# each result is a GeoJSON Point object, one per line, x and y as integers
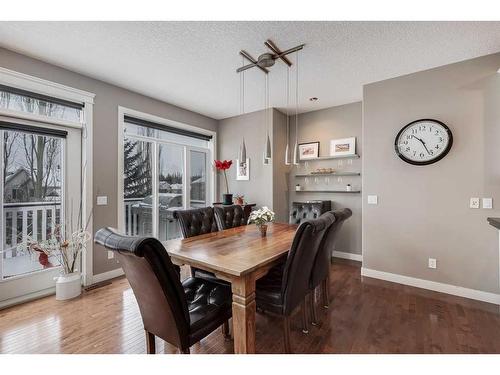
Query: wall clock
{"type": "Point", "coordinates": [423, 142]}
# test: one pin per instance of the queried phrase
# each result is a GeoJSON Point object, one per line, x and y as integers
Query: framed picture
{"type": "Point", "coordinates": [344, 146]}
{"type": "Point", "coordinates": [308, 150]}
{"type": "Point", "coordinates": [243, 170]}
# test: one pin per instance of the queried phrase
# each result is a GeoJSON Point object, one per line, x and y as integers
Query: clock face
{"type": "Point", "coordinates": [423, 142]}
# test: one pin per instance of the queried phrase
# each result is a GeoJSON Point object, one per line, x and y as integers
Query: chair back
{"type": "Point", "coordinates": [321, 267]}
{"type": "Point", "coordinates": [228, 217]}
{"type": "Point", "coordinates": [196, 221]}
{"type": "Point", "coordinates": [299, 263]}
{"type": "Point", "coordinates": [302, 211]}
{"type": "Point", "coordinates": [155, 283]}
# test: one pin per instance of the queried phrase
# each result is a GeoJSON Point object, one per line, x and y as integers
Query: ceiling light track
{"type": "Point", "coordinates": [267, 59]}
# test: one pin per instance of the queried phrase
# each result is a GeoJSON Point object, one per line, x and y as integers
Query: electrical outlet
{"type": "Point", "coordinates": [432, 263]}
{"type": "Point", "coordinates": [111, 255]}
{"type": "Point", "coordinates": [474, 203]}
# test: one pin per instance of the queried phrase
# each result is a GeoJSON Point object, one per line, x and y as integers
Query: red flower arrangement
{"type": "Point", "coordinates": [223, 165]}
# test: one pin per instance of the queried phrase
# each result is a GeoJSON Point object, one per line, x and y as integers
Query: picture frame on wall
{"type": "Point", "coordinates": [308, 150]}
{"type": "Point", "coordinates": [343, 146]}
{"type": "Point", "coordinates": [243, 170]}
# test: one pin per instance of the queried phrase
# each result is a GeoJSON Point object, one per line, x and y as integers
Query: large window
{"type": "Point", "coordinates": [164, 169]}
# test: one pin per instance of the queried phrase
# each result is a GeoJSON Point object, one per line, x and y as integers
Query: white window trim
{"type": "Point", "coordinates": [122, 111]}
{"type": "Point", "coordinates": [41, 86]}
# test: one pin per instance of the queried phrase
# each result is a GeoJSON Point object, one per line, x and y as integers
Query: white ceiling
{"type": "Point", "coordinates": [192, 64]}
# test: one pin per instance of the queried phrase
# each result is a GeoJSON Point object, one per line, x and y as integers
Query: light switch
{"type": "Point", "coordinates": [487, 202]}
{"type": "Point", "coordinates": [372, 199]}
{"type": "Point", "coordinates": [102, 200]}
{"type": "Point", "coordinates": [474, 203]}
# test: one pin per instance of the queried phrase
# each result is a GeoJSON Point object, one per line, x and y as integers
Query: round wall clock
{"type": "Point", "coordinates": [423, 142]}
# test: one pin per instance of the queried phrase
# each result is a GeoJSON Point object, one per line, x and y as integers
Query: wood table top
{"type": "Point", "coordinates": [235, 251]}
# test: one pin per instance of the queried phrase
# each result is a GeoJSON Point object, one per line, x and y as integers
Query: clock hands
{"type": "Point", "coordinates": [423, 143]}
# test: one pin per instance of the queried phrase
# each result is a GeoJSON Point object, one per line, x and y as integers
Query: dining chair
{"type": "Point", "coordinates": [194, 222]}
{"type": "Point", "coordinates": [320, 274]}
{"type": "Point", "coordinates": [228, 217]}
{"type": "Point", "coordinates": [285, 287]}
{"type": "Point", "coordinates": [179, 313]}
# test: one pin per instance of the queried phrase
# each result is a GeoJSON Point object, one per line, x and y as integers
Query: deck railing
{"type": "Point", "coordinates": [20, 220]}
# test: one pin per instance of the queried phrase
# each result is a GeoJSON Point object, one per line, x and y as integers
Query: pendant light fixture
{"type": "Point", "coordinates": [287, 148]}
{"type": "Point", "coordinates": [243, 149]}
{"type": "Point", "coordinates": [268, 140]}
{"type": "Point", "coordinates": [296, 146]}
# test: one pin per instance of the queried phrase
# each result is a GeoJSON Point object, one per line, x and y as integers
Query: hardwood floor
{"type": "Point", "coordinates": [365, 316]}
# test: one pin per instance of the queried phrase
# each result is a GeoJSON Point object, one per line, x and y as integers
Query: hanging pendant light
{"type": "Point", "coordinates": [268, 140]}
{"type": "Point", "coordinates": [287, 148]}
{"type": "Point", "coordinates": [243, 149]}
{"type": "Point", "coordinates": [296, 146]}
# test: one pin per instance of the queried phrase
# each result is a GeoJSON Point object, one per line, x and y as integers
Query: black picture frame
{"type": "Point", "coordinates": [432, 161]}
{"type": "Point", "coordinates": [308, 143]}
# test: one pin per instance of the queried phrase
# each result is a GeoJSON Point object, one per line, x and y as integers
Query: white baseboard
{"type": "Point", "coordinates": [99, 278]}
{"type": "Point", "coordinates": [28, 297]}
{"type": "Point", "coordinates": [343, 255]}
{"type": "Point", "coordinates": [433, 285]}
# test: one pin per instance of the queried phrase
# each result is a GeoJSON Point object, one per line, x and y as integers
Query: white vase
{"type": "Point", "coordinates": [68, 286]}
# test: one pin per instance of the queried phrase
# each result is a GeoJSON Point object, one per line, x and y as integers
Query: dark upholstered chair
{"type": "Point", "coordinates": [194, 222]}
{"type": "Point", "coordinates": [302, 211]}
{"type": "Point", "coordinates": [320, 274]}
{"type": "Point", "coordinates": [228, 217]}
{"type": "Point", "coordinates": [179, 313]}
{"type": "Point", "coordinates": [286, 286]}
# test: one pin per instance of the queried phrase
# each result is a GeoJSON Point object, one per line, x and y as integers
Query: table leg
{"type": "Point", "coordinates": [244, 315]}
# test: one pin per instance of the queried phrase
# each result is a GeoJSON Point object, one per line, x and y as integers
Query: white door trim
{"type": "Point", "coordinates": [41, 86]}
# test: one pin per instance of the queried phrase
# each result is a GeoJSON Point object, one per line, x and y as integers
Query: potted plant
{"type": "Point", "coordinates": [261, 218]}
{"type": "Point", "coordinates": [223, 165]}
{"type": "Point", "coordinates": [67, 248]}
{"type": "Point", "coordinates": [239, 199]}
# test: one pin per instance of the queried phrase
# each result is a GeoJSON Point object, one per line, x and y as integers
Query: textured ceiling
{"type": "Point", "coordinates": [192, 64]}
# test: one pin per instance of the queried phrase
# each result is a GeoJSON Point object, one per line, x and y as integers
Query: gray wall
{"type": "Point", "coordinates": [323, 125]}
{"type": "Point", "coordinates": [280, 170]}
{"type": "Point", "coordinates": [423, 211]}
{"type": "Point", "coordinates": [251, 126]}
{"type": "Point", "coordinates": [107, 100]}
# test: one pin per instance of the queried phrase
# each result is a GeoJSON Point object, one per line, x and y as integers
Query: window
{"type": "Point", "coordinates": [22, 101]}
{"type": "Point", "coordinates": [164, 169]}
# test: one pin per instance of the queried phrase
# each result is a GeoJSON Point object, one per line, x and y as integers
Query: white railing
{"type": "Point", "coordinates": [131, 217]}
{"type": "Point", "coordinates": [20, 220]}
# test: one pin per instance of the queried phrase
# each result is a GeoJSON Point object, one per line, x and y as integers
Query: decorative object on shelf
{"type": "Point", "coordinates": [239, 199]}
{"type": "Point", "coordinates": [261, 218]}
{"type": "Point", "coordinates": [323, 171]}
{"type": "Point", "coordinates": [223, 165]}
{"type": "Point", "coordinates": [423, 142]}
{"type": "Point", "coordinates": [348, 187]}
{"type": "Point", "coordinates": [243, 170]}
{"type": "Point", "coordinates": [298, 187]}
{"type": "Point", "coordinates": [309, 150]}
{"type": "Point", "coordinates": [343, 146]}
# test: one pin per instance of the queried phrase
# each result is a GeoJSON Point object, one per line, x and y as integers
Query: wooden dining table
{"type": "Point", "coordinates": [240, 256]}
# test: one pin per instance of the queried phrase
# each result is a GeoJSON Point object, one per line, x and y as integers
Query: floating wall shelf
{"type": "Point", "coordinates": [355, 156]}
{"type": "Point", "coordinates": [328, 191]}
{"type": "Point", "coordinates": [329, 174]}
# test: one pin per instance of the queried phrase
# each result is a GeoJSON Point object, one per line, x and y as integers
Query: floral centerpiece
{"type": "Point", "coordinates": [261, 218]}
{"type": "Point", "coordinates": [223, 165]}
